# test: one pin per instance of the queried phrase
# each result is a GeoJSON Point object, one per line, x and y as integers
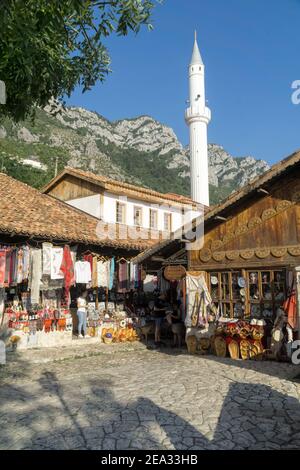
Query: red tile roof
{"type": "Point", "coordinates": [24, 211]}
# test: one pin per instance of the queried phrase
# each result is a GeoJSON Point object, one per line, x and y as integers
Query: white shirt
{"type": "Point", "coordinates": [83, 273]}
{"type": "Point", "coordinates": [81, 304]}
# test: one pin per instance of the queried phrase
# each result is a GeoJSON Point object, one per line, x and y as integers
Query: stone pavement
{"type": "Point", "coordinates": [128, 397]}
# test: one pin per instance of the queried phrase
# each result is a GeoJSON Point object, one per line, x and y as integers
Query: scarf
{"type": "Point", "coordinates": [67, 268]}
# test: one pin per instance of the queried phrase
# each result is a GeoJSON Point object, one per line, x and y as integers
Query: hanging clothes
{"type": "Point", "coordinates": [89, 259]}
{"type": "Point", "coordinates": [7, 268]}
{"type": "Point", "coordinates": [20, 266]}
{"type": "Point", "coordinates": [47, 251]}
{"type": "Point", "coordinates": [290, 308]}
{"type": "Point", "coordinates": [83, 272]}
{"type": "Point", "coordinates": [67, 268]}
{"type": "Point", "coordinates": [131, 277]}
{"type": "Point", "coordinates": [26, 262]}
{"type": "Point", "coordinates": [136, 276]}
{"type": "Point", "coordinates": [111, 274]}
{"type": "Point", "coordinates": [122, 277]}
{"type": "Point", "coordinates": [56, 261]}
{"type": "Point", "coordinates": [2, 304]}
{"type": "Point", "coordinates": [103, 269]}
{"type": "Point", "coordinates": [2, 267]}
{"type": "Point", "coordinates": [95, 273]}
{"type": "Point", "coordinates": [36, 275]}
{"type": "Point", "coordinates": [13, 267]}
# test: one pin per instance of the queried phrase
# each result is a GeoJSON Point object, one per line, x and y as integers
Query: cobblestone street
{"type": "Point", "coordinates": [113, 397]}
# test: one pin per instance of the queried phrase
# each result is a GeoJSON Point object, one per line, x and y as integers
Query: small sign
{"type": "Point", "coordinates": [2, 92]}
{"type": "Point", "coordinates": [174, 273]}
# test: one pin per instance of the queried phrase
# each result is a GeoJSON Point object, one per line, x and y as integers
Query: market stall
{"type": "Point", "coordinates": [242, 283]}
{"type": "Point", "coordinates": [49, 253]}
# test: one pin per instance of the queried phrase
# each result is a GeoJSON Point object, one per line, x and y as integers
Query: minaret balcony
{"type": "Point", "coordinates": [193, 113]}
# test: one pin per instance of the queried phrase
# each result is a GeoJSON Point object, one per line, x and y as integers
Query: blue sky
{"type": "Point", "coordinates": [251, 49]}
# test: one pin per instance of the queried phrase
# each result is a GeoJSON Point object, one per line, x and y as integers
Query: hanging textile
{"type": "Point", "coordinates": [67, 268]}
{"type": "Point", "coordinates": [7, 268]}
{"type": "Point", "coordinates": [20, 266]}
{"type": "Point", "coordinates": [197, 300]}
{"type": "Point", "coordinates": [136, 276]}
{"type": "Point", "coordinates": [89, 259]}
{"type": "Point", "coordinates": [95, 272]}
{"type": "Point", "coordinates": [56, 261]}
{"type": "Point", "coordinates": [36, 274]}
{"type": "Point", "coordinates": [131, 276]}
{"type": "Point", "coordinates": [290, 308]}
{"type": "Point", "coordinates": [47, 251]}
{"type": "Point", "coordinates": [103, 273]}
{"type": "Point", "coordinates": [2, 304]}
{"type": "Point", "coordinates": [26, 262]}
{"type": "Point", "coordinates": [83, 272]}
{"type": "Point", "coordinates": [111, 274]}
{"type": "Point", "coordinates": [2, 267]}
{"type": "Point", "coordinates": [13, 267]}
{"type": "Point", "coordinates": [122, 277]}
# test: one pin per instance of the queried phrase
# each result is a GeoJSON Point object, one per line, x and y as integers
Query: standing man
{"type": "Point", "coordinates": [160, 307]}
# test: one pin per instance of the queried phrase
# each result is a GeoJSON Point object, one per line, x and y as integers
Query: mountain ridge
{"type": "Point", "coordinates": [137, 150]}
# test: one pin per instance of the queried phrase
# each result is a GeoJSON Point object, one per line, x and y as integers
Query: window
{"type": "Point", "coordinates": [153, 219]}
{"type": "Point", "coordinates": [120, 213]}
{"type": "Point", "coordinates": [248, 294]}
{"type": "Point", "coordinates": [137, 216]}
{"type": "Point", "coordinates": [167, 222]}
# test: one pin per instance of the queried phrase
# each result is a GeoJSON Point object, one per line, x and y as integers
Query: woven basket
{"type": "Point", "coordinates": [245, 347]}
{"type": "Point", "coordinates": [220, 346]}
{"type": "Point", "coordinates": [191, 342]}
{"type": "Point", "coordinates": [234, 350]}
{"type": "Point", "coordinates": [107, 340]}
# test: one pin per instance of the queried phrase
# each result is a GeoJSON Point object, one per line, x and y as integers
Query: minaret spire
{"type": "Point", "coordinates": [197, 117]}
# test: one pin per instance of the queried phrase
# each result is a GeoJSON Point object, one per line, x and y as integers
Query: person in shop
{"type": "Point", "coordinates": [82, 314]}
{"type": "Point", "coordinates": [173, 316]}
{"type": "Point", "coordinates": [159, 312]}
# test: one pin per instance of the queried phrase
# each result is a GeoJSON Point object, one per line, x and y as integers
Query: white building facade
{"type": "Point", "coordinates": [113, 208]}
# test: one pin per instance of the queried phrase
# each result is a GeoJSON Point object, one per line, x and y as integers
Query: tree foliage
{"type": "Point", "coordinates": [48, 47]}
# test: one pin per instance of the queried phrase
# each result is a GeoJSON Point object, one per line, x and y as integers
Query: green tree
{"type": "Point", "coordinates": [48, 47]}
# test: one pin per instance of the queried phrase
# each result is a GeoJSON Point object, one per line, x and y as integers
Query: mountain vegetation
{"type": "Point", "coordinates": [141, 151]}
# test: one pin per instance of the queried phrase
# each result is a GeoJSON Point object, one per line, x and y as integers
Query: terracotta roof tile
{"type": "Point", "coordinates": [27, 212]}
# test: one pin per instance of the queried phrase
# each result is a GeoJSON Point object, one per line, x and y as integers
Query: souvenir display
{"type": "Point", "coordinates": [39, 287]}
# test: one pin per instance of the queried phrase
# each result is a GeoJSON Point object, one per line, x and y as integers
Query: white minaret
{"type": "Point", "coordinates": [197, 117]}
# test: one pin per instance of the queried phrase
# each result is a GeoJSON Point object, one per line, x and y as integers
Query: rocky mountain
{"type": "Point", "coordinates": [141, 151]}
